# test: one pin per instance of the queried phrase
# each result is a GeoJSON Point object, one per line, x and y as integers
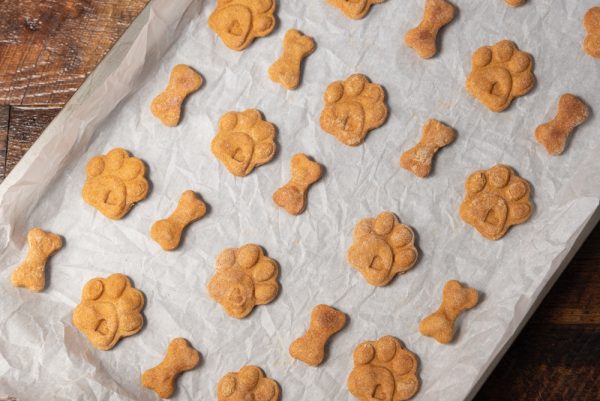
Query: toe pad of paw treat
{"type": "Point", "coordinates": [591, 23]}
{"type": "Point", "coordinates": [250, 383]}
{"type": "Point", "coordinates": [167, 106]}
{"type": "Point", "coordinates": [31, 273]}
{"type": "Point", "coordinates": [435, 135]}
{"type": "Point", "coordinates": [293, 195]}
{"type": "Point", "coordinates": [287, 70]}
{"type": "Point", "coordinates": [423, 38]}
{"type": "Point", "coordinates": [515, 3]}
{"type": "Point", "coordinates": [455, 300]}
{"type": "Point", "coordinates": [354, 9]}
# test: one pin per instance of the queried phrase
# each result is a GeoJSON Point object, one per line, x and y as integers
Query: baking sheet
{"type": "Point", "coordinates": [41, 353]}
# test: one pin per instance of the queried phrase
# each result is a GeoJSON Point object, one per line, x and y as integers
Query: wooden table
{"type": "Point", "coordinates": [47, 48]}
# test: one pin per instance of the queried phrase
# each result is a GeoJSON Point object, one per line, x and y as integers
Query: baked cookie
{"type": "Point", "coordinates": [591, 23]}
{"type": "Point", "coordinates": [354, 9]}
{"type": "Point", "coordinates": [419, 159]}
{"type": "Point", "coordinates": [249, 384]}
{"type": "Point", "coordinates": [423, 38]}
{"type": "Point", "coordinates": [287, 70]}
{"type": "Point", "coordinates": [293, 196]}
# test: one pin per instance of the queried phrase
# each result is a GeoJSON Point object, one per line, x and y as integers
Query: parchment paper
{"type": "Point", "coordinates": [42, 356]}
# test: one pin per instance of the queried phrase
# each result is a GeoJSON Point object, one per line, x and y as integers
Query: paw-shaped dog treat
{"type": "Point", "coordinates": [352, 108]}
{"type": "Point", "coordinates": [591, 23]}
{"type": "Point", "coordinates": [167, 232]}
{"type": "Point", "coordinates": [292, 196]}
{"type": "Point", "coordinates": [495, 200]}
{"type": "Point", "coordinates": [325, 321]}
{"type": "Point", "coordinates": [423, 38]}
{"type": "Point", "coordinates": [354, 9]}
{"type": "Point", "coordinates": [180, 357]}
{"type": "Point", "coordinates": [239, 22]}
{"type": "Point", "coordinates": [115, 182]}
{"type": "Point", "coordinates": [31, 273]}
{"type": "Point", "coordinates": [572, 112]}
{"type": "Point", "coordinates": [383, 370]}
{"type": "Point", "coordinates": [382, 247]}
{"type": "Point", "coordinates": [248, 384]}
{"type": "Point", "coordinates": [244, 141]}
{"type": "Point", "coordinates": [110, 309]}
{"type": "Point", "coordinates": [515, 3]}
{"type": "Point", "coordinates": [286, 71]}
{"type": "Point", "coordinates": [244, 278]}
{"type": "Point", "coordinates": [167, 106]}
{"type": "Point", "coordinates": [435, 135]}
{"type": "Point", "coordinates": [455, 300]}
{"type": "Point", "coordinates": [499, 74]}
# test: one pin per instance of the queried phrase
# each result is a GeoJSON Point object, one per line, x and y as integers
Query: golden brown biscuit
{"type": "Point", "coordinates": [435, 135]}
{"type": "Point", "coordinates": [495, 200]}
{"type": "Point", "coordinates": [115, 182]}
{"type": "Point", "coordinates": [110, 309]}
{"type": "Point", "coordinates": [571, 113]}
{"type": "Point", "coordinates": [182, 82]}
{"type": "Point", "coordinates": [325, 321]}
{"type": "Point", "coordinates": [591, 23]}
{"type": "Point", "coordinates": [287, 70]}
{"type": "Point", "coordinates": [248, 384]}
{"type": "Point", "coordinates": [499, 74]}
{"type": "Point", "coordinates": [515, 3]}
{"type": "Point", "coordinates": [239, 22]}
{"type": "Point", "coordinates": [423, 38]}
{"type": "Point", "coordinates": [244, 141]}
{"type": "Point", "coordinates": [244, 278]}
{"type": "Point", "coordinates": [455, 300]}
{"type": "Point", "coordinates": [180, 357]}
{"type": "Point", "coordinates": [353, 108]}
{"type": "Point", "coordinates": [383, 370]}
{"type": "Point", "coordinates": [167, 232]}
{"type": "Point", "coordinates": [382, 248]}
{"type": "Point", "coordinates": [354, 9]}
{"type": "Point", "coordinates": [31, 273]}
{"type": "Point", "coordinates": [293, 195]}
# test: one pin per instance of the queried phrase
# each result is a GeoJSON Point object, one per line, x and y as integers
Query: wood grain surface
{"type": "Point", "coordinates": [47, 48]}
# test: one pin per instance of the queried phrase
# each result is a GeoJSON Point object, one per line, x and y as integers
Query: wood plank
{"type": "Point", "coordinates": [4, 116]}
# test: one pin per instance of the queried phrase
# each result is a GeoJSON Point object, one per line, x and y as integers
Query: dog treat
{"type": "Point", "coordinates": [180, 357]}
{"type": "Point", "coordinates": [353, 108]}
{"type": "Point", "coordinates": [293, 195]}
{"type": "Point", "coordinates": [325, 321]}
{"type": "Point", "coordinates": [354, 9]}
{"type": "Point", "coordinates": [383, 370]}
{"type": "Point", "coordinates": [286, 70]}
{"type": "Point", "coordinates": [423, 38]}
{"type": "Point", "coordinates": [244, 141]}
{"type": "Point", "coordinates": [495, 200]}
{"type": "Point", "coordinates": [250, 383]}
{"type": "Point", "coordinates": [455, 300]}
{"type": "Point", "coordinates": [244, 278]}
{"type": "Point", "coordinates": [239, 22]}
{"type": "Point", "coordinates": [435, 135]}
{"type": "Point", "coordinates": [167, 106]}
{"type": "Point", "coordinates": [167, 232]}
{"type": "Point", "coordinates": [110, 309]}
{"type": "Point", "coordinates": [572, 112]}
{"type": "Point", "coordinates": [591, 23]}
{"type": "Point", "coordinates": [515, 3]}
{"type": "Point", "coordinates": [382, 247]}
{"type": "Point", "coordinates": [499, 74]}
{"type": "Point", "coordinates": [115, 182]}
{"type": "Point", "coordinates": [31, 273]}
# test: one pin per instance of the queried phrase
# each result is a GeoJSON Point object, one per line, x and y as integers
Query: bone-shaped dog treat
{"type": "Point", "coordinates": [180, 357]}
{"type": "Point", "coordinates": [167, 106]}
{"type": "Point", "coordinates": [31, 272]}
{"type": "Point", "coordinates": [435, 136]}
{"type": "Point", "coordinates": [286, 71]}
{"type": "Point", "coordinates": [325, 321]}
{"type": "Point", "coordinates": [167, 232]}
{"type": "Point", "coordinates": [455, 300]}
{"type": "Point", "coordinates": [572, 112]}
{"type": "Point", "coordinates": [423, 38]}
{"type": "Point", "coordinates": [515, 3]}
{"type": "Point", "coordinates": [292, 196]}
{"type": "Point", "coordinates": [591, 23]}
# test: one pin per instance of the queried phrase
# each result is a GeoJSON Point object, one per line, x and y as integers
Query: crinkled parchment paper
{"type": "Point", "coordinates": [42, 356]}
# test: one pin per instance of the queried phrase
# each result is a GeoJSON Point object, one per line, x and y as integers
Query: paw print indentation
{"type": "Point", "coordinates": [383, 370]}
{"type": "Point", "coordinates": [250, 383]}
{"type": "Point", "coordinates": [110, 309]}
{"type": "Point", "coordinates": [244, 278]}
{"type": "Point", "coordinates": [495, 200]}
{"type": "Point", "coordinates": [353, 108]}
{"type": "Point", "coordinates": [499, 74]}
{"type": "Point", "coordinates": [239, 22]}
{"type": "Point", "coordinates": [382, 247]}
{"type": "Point", "coordinates": [115, 182]}
{"type": "Point", "coordinates": [244, 141]}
